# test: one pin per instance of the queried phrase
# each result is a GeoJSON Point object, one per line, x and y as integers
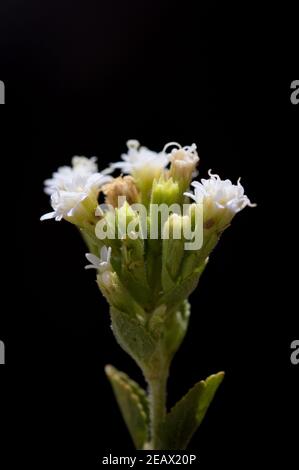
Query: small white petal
{"type": "Point", "coordinates": [103, 263]}
{"type": "Point", "coordinates": [49, 215]}
{"type": "Point", "coordinates": [93, 259]}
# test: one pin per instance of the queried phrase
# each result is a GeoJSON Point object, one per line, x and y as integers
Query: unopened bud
{"type": "Point", "coordinates": [123, 189]}
{"type": "Point", "coordinates": [165, 191]}
{"type": "Point", "coordinates": [183, 165]}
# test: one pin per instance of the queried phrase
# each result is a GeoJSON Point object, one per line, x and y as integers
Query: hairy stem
{"type": "Point", "coordinates": [157, 395]}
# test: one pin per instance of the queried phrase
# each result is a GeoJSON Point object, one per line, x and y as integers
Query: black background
{"type": "Point", "coordinates": [82, 78]}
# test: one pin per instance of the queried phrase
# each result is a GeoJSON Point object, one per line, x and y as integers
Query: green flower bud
{"type": "Point", "coordinates": [173, 250]}
{"type": "Point", "coordinates": [132, 269]}
{"type": "Point", "coordinates": [165, 191]}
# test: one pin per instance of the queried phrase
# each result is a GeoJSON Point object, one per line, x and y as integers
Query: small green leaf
{"type": "Point", "coordinates": [133, 337]}
{"type": "Point", "coordinates": [133, 403]}
{"type": "Point", "coordinates": [185, 417]}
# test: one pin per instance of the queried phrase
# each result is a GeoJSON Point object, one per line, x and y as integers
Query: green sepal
{"type": "Point", "coordinates": [132, 270]}
{"type": "Point", "coordinates": [176, 326]}
{"type": "Point", "coordinates": [180, 291]}
{"type": "Point", "coordinates": [170, 328]}
{"type": "Point", "coordinates": [133, 403]}
{"type": "Point", "coordinates": [93, 244]}
{"type": "Point", "coordinates": [172, 256]}
{"type": "Point", "coordinates": [119, 297]}
{"type": "Point", "coordinates": [197, 260]}
{"type": "Point", "coordinates": [185, 417]}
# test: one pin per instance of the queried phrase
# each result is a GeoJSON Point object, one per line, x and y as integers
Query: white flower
{"type": "Point", "coordinates": [224, 193]}
{"type": "Point", "coordinates": [74, 189]}
{"type": "Point", "coordinates": [187, 154]}
{"type": "Point", "coordinates": [183, 163]}
{"type": "Point", "coordinates": [140, 159]}
{"type": "Point", "coordinates": [81, 166]}
{"type": "Point", "coordinates": [102, 263]}
{"type": "Point", "coordinates": [221, 199]}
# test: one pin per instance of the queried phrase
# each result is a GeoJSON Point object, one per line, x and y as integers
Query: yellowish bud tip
{"type": "Point", "coordinates": [121, 187]}
{"type": "Point", "coordinates": [183, 162]}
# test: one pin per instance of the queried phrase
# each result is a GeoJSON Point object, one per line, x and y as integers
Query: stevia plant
{"type": "Point", "coordinates": [149, 242]}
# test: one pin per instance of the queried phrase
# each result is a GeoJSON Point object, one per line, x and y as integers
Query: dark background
{"type": "Point", "coordinates": [82, 78]}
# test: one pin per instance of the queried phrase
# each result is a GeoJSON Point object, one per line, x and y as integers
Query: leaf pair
{"type": "Point", "coordinates": [180, 423]}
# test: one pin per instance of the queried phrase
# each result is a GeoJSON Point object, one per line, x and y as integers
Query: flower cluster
{"type": "Point", "coordinates": [150, 177]}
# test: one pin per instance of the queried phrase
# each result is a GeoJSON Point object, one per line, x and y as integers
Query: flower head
{"type": "Point", "coordinates": [183, 164]}
{"type": "Point", "coordinates": [74, 191]}
{"type": "Point", "coordinates": [139, 158]}
{"type": "Point", "coordinates": [81, 166]}
{"type": "Point", "coordinates": [221, 199]}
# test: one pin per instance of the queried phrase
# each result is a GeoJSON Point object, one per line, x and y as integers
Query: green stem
{"type": "Point", "coordinates": [157, 395]}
